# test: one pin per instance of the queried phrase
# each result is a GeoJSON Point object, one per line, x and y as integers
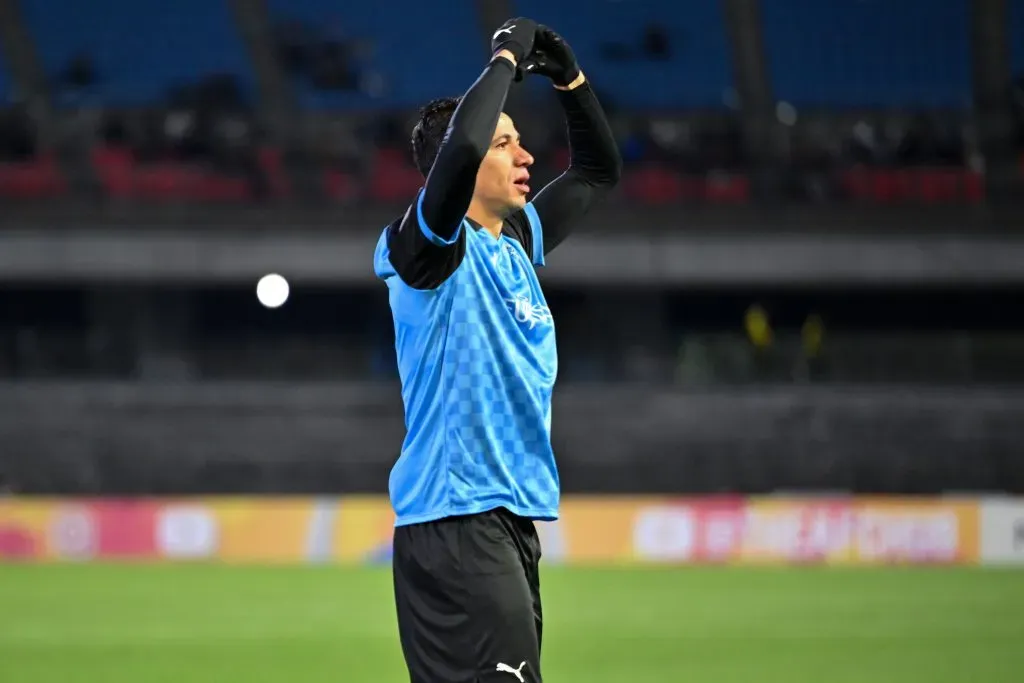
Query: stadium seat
{"type": "Point", "coordinates": [1016, 35]}
{"type": "Point", "coordinates": [726, 188]}
{"type": "Point", "coordinates": [340, 186]}
{"type": "Point", "coordinates": [37, 178]}
{"type": "Point", "coordinates": [917, 185]}
{"type": "Point", "coordinates": [278, 183]}
{"type": "Point", "coordinates": [938, 185]}
{"type": "Point", "coordinates": [162, 181]}
{"type": "Point", "coordinates": [973, 186]}
{"type": "Point", "coordinates": [121, 177]}
{"type": "Point", "coordinates": [888, 185]}
{"type": "Point", "coordinates": [608, 40]}
{"type": "Point", "coordinates": [652, 184]}
{"type": "Point", "coordinates": [869, 52]}
{"type": "Point", "coordinates": [5, 81]}
{"type": "Point", "coordinates": [399, 36]}
{"type": "Point", "coordinates": [113, 167]}
{"type": "Point", "coordinates": [392, 177]}
{"type": "Point", "coordinates": [32, 178]}
{"type": "Point", "coordinates": [140, 49]}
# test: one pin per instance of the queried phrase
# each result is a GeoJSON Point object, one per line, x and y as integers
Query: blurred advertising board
{"type": "Point", "coordinates": [842, 531]}
{"type": "Point", "coordinates": [591, 530]}
{"type": "Point", "coordinates": [224, 529]}
{"type": "Point", "coordinates": [1002, 531]}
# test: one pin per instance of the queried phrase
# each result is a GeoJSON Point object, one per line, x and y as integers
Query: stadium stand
{"type": "Point", "coordinates": [5, 83]}
{"type": "Point", "coordinates": [24, 171]}
{"type": "Point", "coordinates": [874, 100]}
{"type": "Point", "coordinates": [647, 54]}
{"type": "Point", "coordinates": [1016, 40]}
{"type": "Point", "coordinates": [140, 51]}
{"type": "Point", "coordinates": [878, 97]}
{"type": "Point", "coordinates": [159, 128]}
{"type": "Point", "coordinates": [869, 53]}
{"type": "Point", "coordinates": [372, 50]}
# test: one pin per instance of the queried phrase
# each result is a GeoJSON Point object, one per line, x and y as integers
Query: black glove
{"type": "Point", "coordinates": [516, 36]}
{"type": "Point", "coordinates": [551, 57]}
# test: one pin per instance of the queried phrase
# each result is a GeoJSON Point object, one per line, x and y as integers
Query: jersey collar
{"type": "Point", "coordinates": [477, 227]}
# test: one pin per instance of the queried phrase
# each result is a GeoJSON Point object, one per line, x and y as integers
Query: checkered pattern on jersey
{"type": "Point", "coordinates": [497, 404]}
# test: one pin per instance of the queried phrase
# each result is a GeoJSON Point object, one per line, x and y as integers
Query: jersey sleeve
{"type": "Point", "coordinates": [525, 226]}
{"type": "Point", "coordinates": [422, 259]}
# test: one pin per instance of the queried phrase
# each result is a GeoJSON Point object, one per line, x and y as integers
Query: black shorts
{"type": "Point", "coordinates": [467, 591]}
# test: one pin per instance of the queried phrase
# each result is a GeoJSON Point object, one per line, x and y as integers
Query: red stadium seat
{"type": "Point", "coordinates": [273, 169]}
{"type": "Point", "coordinates": [856, 183]}
{"type": "Point", "coordinates": [217, 187]}
{"type": "Point", "coordinates": [727, 188]}
{"type": "Point", "coordinates": [339, 185]}
{"type": "Point", "coordinates": [164, 181]}
{"type": "Point", "coordinates": [653, 185]}
{"type": "Point", "coordinates": [161, 182]}
{"type": "Point", "coordinates": [939, 185]}
{"type": "Point", "coordinates": [974, 186]}
{"type": "Point", "coordinates": [40, 177]}
{"type": "Point", "coordinates": [927, 185]}
{"type": "Point", "coordinates": [113, 167]}
{"type": "Point", "coordinates": [888, 186]}
{"type": "Point", "coordinates": [393, 178]}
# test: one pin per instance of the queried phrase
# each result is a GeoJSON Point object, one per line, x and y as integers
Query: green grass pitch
{"type": "Point", "coordinates": [217, 624]}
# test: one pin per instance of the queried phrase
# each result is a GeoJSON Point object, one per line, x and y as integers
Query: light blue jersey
{"type": "Point", "coordinates": [477, 361]}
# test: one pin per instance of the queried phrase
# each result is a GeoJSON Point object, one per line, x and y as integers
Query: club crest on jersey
{"type": "Point", "coordinates": [529, 313]}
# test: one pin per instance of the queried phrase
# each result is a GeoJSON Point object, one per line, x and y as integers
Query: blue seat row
{"type": "Point", "coordinates": [140, 48]}
{"type": "Point", "coordinates": [869, 52]}
{"type": "Point", "coordinates": [5, 82]}
{"type": "Point", "coordinates": [608, 37]}
{"type": "Point", "coordinates": [416, 50]}
{"type": "Point", "coordinates": [839, 53]}
{"type": "Point", "coordinates": [1016, 32]}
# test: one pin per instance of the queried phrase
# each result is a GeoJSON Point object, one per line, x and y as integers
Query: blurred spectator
{"type": "Point", "coordinates": [77, 79]}
{"type": "Point", "coordinates": [17, 135]}
{"type": "Point", "coordinates": [759, 333]}
{"type": "Point", "coordinates": [812, 335]}
{"type": "Point", "coordinates": [293, 40]}
{"type": "Point", "coordinates": [654, 43]}
{"type": "Point", "coordinates": [657, 44]}
{"type": "Point", "coordinates": [327, 58]}
{"type": "Point", "coordinates": [1017, 97]}
{"type": "Point", "coordinates": [333, 68]}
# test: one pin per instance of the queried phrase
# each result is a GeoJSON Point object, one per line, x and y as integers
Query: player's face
{"type": "Point", "coordinates": [502, 183]}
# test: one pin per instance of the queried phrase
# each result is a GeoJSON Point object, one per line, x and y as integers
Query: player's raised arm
{"type": "Point", "coordinates": [452, 177]}
{"type": "Point", "coordinates": [595, 163]}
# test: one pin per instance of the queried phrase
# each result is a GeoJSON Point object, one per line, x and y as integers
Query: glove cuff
{"type": "Point", "coordinates": [495, 59]}
{"type": "Point", "coordinates": [568, 76]}
{"type": "Point", "coordinates": [515, 48]}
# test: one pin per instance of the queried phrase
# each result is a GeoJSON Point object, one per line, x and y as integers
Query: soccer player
{"type": "Point", "coordinates": [476, 355]}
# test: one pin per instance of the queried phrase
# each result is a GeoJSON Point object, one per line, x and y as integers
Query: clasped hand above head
{"type": "Point", "coordinates": [536, 49]}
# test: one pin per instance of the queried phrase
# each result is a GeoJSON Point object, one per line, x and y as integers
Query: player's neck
{"type": "Point", "coordinates": [489, 221]}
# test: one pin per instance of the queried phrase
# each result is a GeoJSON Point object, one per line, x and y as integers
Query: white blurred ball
{"type": "Point", "coordinates": [272, 290]}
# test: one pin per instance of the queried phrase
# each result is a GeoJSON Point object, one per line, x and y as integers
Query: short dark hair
{"type": "Point", "coordinates": [429, 132]}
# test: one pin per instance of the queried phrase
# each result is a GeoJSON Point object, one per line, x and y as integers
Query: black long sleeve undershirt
{"type": "Point", "coordinates": [452, 178]}
{"type": "Point", "coordinates": [595, 166]}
